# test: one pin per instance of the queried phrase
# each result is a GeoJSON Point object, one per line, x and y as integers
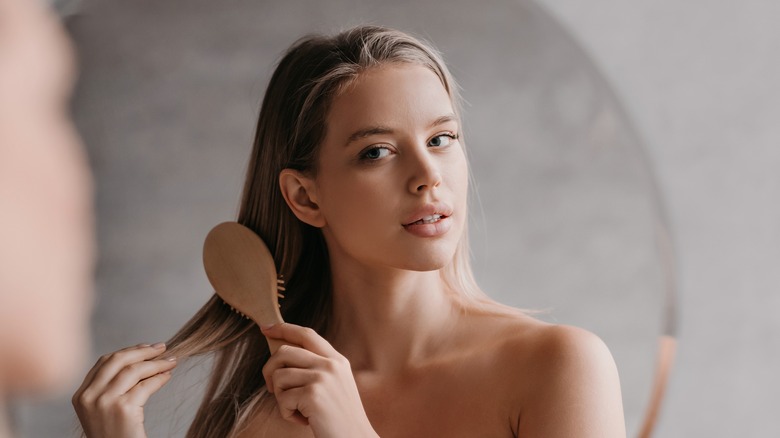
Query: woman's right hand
{"type": "Point", "coordinates": [110, 402]}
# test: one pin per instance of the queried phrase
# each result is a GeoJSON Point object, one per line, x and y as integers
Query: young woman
{"type": "Point", "coordinates": [358, 184]}
{"type": "Point", "coordinates": [46, 213]}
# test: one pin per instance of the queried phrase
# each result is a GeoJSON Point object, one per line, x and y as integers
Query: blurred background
{"type": "Point", "coordinates": [595, 132]}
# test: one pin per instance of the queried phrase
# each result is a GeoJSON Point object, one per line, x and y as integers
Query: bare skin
{"type": "Point", "coordinates": [403, 355]}
{"type": "Point", "coordinates": [46, 224]}
{"type": "Point", "coordinates": [46, 213]}
{"type": "Point", "coordinates": [496, 376]}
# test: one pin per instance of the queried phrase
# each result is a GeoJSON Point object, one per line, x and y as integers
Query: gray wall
{"type": "Point", "coordinates": [700, 80]}
{"type": "Point", "coordinates": [169, 92]}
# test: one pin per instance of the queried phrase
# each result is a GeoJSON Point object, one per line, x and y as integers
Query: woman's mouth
{"type": "Point", "coordinates": [427, 220]}
{"type": "Point", "coordinates": [430, 226]}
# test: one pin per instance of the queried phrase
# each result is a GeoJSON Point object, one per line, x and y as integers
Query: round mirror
{"type": "Point", "coordinates": [565, 215]}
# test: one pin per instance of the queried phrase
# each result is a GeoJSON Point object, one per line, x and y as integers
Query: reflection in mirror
{"type": "Point", "coordinates": [565, 218]}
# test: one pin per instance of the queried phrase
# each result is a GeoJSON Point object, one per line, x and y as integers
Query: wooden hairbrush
{"type": "Point", "coordinates": [242, 271]}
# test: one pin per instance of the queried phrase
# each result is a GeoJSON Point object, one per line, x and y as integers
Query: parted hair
{"type": "Point", "coordinates": [290, 128]}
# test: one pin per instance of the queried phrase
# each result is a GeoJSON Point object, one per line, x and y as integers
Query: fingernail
{"type": "Point", "coordinates": [265, 327]}
{"type": "Point", "coordinates": [159, 345]}
{"type": "Point", "coordinates": [144, 345]}
{"type": "Point", "coordinates": [171, 359]}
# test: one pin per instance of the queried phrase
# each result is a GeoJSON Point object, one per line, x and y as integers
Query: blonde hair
{"type": "Point", "coordinates": [290, 128]}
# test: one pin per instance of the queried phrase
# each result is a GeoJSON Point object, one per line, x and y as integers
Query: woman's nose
{"type": "Point", "coordinates": [426, 173]}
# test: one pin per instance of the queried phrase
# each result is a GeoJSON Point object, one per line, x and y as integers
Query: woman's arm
{"type": "Point", "coordinates": [575, 389]}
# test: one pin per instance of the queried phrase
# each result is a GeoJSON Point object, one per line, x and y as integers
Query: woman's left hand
{"type": "Point", "coordinates": [314, 385]}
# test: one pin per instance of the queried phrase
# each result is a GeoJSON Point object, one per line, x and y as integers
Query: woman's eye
{"type": "Point", "coordinates": [443, 139]}
{"type": "Point", "coordinates": [375, 153]}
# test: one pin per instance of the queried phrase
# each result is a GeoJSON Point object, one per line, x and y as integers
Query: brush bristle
{"type": "Point", "coordinates": [280, 286]}
{"type": "Point", "coordinates": [234, 310]}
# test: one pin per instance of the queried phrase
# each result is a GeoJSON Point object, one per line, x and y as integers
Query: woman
{"type": "Point", "coordinates": [358, 184]}
{"type": "Point", "coordinates": [46, 213]}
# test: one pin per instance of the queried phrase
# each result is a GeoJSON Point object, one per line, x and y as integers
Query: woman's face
{"type": "Point", "coordinates": [391, 157]}
{"type": "Point", "coordinates": [46, 223]}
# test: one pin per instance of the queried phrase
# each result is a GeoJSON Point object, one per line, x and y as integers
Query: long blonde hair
{"type": "Point", "coordinates": [289, 130]}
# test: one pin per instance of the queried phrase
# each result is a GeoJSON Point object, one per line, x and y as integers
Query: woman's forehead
{"type": "Point", "coordinates": [391, 94]}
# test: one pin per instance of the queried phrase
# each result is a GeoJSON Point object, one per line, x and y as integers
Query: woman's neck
{"type": "Point", "coordinates": [388, 320]}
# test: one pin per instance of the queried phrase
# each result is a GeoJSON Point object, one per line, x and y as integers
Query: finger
{"type": "Point", "coordinates": [288, 378]}
{"type": "Point", "coordinates": [289, 356]}
{"type": "Point", "coordinates": [130, 375]}
{"type": "Point", "coordinates": [292, 356]}
{"type": "Point", "coordinates": [115, 362]}
{"type": "Point", "coordinates": [102, 359]}
{"type": "Point", "coordinates": [303, 336]}
{"type": "Point", "coordinates": [99, 363]}
{"type": "Point", "coordinates": [287, 401]}
{"type": "Point", "coordinates": [140, 393]}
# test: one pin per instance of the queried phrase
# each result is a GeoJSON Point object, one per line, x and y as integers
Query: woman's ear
{"type": "Point", "coordinates": [300, 193]}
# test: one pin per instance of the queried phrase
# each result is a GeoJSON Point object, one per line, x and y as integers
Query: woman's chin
{"type": "Point", "coordinates": [428, 262]}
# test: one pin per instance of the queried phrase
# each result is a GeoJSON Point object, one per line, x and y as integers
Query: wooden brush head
{"type": "Point", "coordinates": [242, 272]}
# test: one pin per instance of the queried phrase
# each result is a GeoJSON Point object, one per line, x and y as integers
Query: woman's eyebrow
{"type": "Point", "coordinates": [367, 132]}
{"type": "Point", "coordinates": [376, 130]}
{"type": "Point", "coordinates": [443, 119]}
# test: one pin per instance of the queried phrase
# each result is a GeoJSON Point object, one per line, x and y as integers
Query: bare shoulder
{"type": "Point", "coordinates": [564, 380]}
{"type": "Point", "coordinates": [541, 347]}
{"type": "Point", "coordinates": [560, 349]}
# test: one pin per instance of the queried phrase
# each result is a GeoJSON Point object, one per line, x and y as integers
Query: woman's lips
{"type": "Point", "coordinates": [428, 219]}
{"type": "Point", "coordinates": [428, 210]}
{"type": "Point", "coordinates": [433, 229]}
